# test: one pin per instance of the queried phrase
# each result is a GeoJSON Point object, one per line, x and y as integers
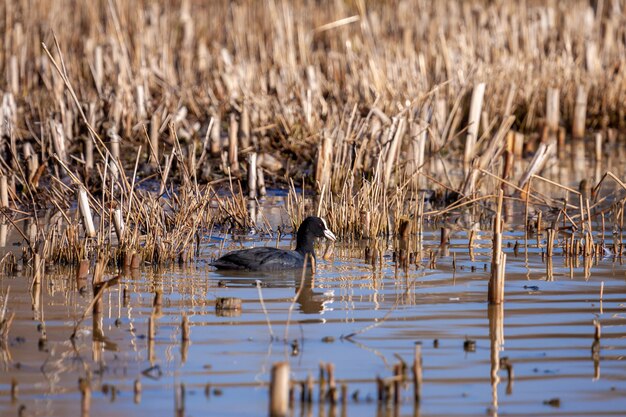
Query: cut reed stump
{"type": "Point", "coordinates": [118, 222]}
{"type": "Point", "coordinates": [261, 182]}
{"type": "Point", "coordinates": [228, 307]}
{"type": "Point", "coordinates": [233, 151]}
{"type": "Point", "coordinates": [498, 262]}
{"type": "Point", "coordinates": [87, 150]}
{"type": "Point", "coordinates": [417, 373]}
{"type": "Point", "coordinates": [332, 393]}
{"type": "Point", "coordinates": [216, 138]}
{"type": "Point", "coordinates": [394, 149]}
{"type": "Point", "coordinates": [228, 303]}
{"type": "Point", "coordinates": [85, 211]}
{"type": "Point", "coordinates": [580, 113]}
{"type": "Point", "coordinates": [153, 155]}
{"type": "Point", "coordinates": [114, 149]}
{"type": "Point", "coordinates": [279, 390]}
{"type": "Point", "coordinates": [552, 110]}
{"type": "Point", "coordinates": [324, 161]}
{"type": "Point", "coordinates": [4, 192]}
{"type": "Point", "coordinates": [252, 175]}
{"type": "Point", "coordinates": [82, 272]}
{"type": "Point", "coordinates": [473, 123]}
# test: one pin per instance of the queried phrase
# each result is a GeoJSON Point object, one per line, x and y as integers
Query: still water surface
{"type": "Point", "coordinates": [545, 328]}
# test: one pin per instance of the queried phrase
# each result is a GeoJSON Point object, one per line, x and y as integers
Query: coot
{"type": "Point", "coordinates": [272, 259]}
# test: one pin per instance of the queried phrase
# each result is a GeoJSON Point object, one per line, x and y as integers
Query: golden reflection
{"type": "Point", "coordinates": [306, 409]}
{"type": "Point", "coordinates": [332, 409]}
{"type": "Point", "coordinates": [184, 349]}
{"type": "Point", "coordinates": [151, 355]}
{"type": "Point", "coordinates": [495, 314]}
{"type": "Point", "coordinates": [595, 355]}
{"type": "Point", "coordinates": [309, 300]}
{"type": "Point", "coordinates": [97, 334]}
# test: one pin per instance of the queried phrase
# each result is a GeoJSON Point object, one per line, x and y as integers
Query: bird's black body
{"type": "Point", "coordinates": [273, 259]}
{"type": "Point", "coordinates": [260, 259]}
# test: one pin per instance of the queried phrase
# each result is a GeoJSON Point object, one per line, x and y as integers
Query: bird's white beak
{"type": "Point", "coordinates": [329, 235]}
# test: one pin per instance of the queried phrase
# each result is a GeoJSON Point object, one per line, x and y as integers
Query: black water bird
{"type": "Point", "coordinates": [272, 259]}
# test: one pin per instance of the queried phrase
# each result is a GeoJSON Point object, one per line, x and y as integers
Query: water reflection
{"type": "Point", "coordinates": [495, 315]}
{"type": "Point", "coordinates": [310, 300]}
{"type": "Point", "coordinates": [401, 300]}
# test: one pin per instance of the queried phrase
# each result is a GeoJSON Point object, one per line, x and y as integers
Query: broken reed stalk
{"type": "Point", "coordinates": [82, 272]}
{"type": "Point", "coordinates": [4, 192]}
{"type": "Point", "coordinates": [114, 144]}
{"type": "Point", "coordinates": [332, 393]}
{"type": "Point", "coordinates": [550, 241]}
{"type": "Point", "coordinates": [310, 385]}
{"type": "Point", "coordinates": [252, 175]}
{"type": "Point", "coordinates": [476, 105]}
{"type": "Point", "coordinates": [261, 182]}
{"type": "Point", "coordinates": [14, 75]}
{"type": "Point", "coordinates": [215, 138]}
{"type": "Point", "coordinates": [244, 133]}
{"type": "Point", "coordinates": [153, 155]}
{"type": "Point", "coordinates": [397, 373]}
{"type": "Point", "coordinates": [552, 110]}
{"type": "Point", "coordinates": [598, 139]}
{"type": "Point", "coordinates": [85, 211]}
{"type": "Point", "coordinates": [88, 151]}
{"type": "Point", "coordinates": [118, 223]}
{"type": "Point", "coordinates": [98, 67]}
{"type": "Point", "coordinates": [233, 159]}
{"type": "Point", "coordinates": [324, 161]}
{"type": "Point", "coordinates": [498, 261]}
{"type": "Point", "coordinates": [417, 373]}
{"type": "Point", "coordinates": [580, 113]}
{"type": "Point", "coordinates": [279, 390]}
{"type": "Point", "coordinates": [392, 152]}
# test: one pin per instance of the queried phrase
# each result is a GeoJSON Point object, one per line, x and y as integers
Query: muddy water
{"type": "Point", "coordinates": [545, 329]}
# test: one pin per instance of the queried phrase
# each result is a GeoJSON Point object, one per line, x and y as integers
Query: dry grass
{"type": "Point", "coordinates": [366, 102]}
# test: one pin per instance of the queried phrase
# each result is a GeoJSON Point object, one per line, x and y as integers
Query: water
{"type": "Point", "coordinates": [545, 329]}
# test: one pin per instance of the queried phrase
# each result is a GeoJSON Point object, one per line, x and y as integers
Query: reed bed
{"type": "Point", "coordinates": [160, 120]}
{"type": "Point", "coordinates": [133, 131]}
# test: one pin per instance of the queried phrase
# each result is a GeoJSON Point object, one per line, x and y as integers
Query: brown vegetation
{"type": "Point", "coordinates": [368, 103]}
